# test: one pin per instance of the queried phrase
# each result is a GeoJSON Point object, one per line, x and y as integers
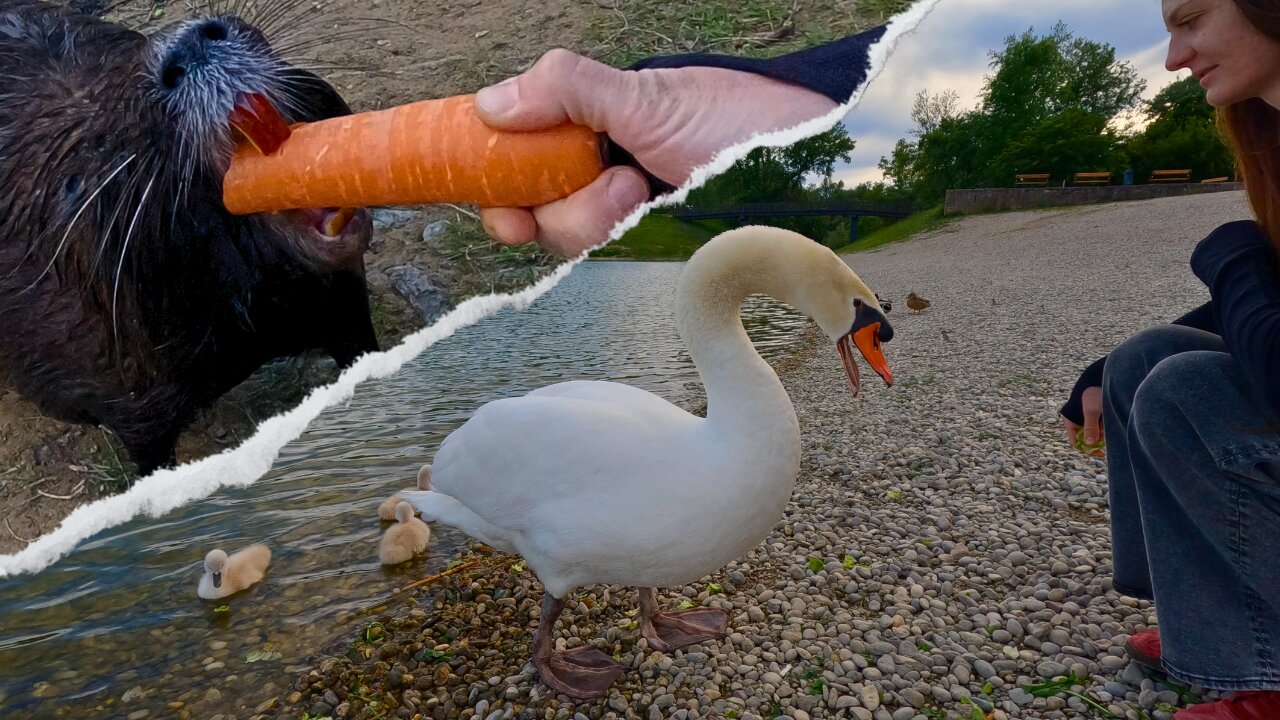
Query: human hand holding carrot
{"type": "Point", "coordinates": [670, 120]}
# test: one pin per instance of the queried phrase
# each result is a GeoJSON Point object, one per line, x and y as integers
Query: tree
{"type": "Point", "coordinates": [929, 110]}
{"type": "Point", "coordinates": [1035, 77]}
{"type": "Point", "coordinates": [1181, 134]}
{"type": "Point", "coordinates": [1074, 140]}
{"type": "Point", "coordinates": [780, 174]}
{"type": "Point", "coordinates": [776, 174]}
{"type": "Point", "coordinates": [1045, 107]}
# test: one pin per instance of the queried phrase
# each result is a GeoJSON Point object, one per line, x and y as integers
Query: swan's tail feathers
{"type": "Point", "coordinates": [438, 507]}
{"type": "Point", "coordinates": [424, 477]}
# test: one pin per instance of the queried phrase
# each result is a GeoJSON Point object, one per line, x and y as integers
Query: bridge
{"type": "Point", "coordinates": [842, 208]}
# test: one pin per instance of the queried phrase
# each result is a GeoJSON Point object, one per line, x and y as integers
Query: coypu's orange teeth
{"type": "Point", "coordinates": [335, 221]}
{"type": "Point", "coordinates": [255, 118]}
{"type": "Point", "coordinates": [329, 222]}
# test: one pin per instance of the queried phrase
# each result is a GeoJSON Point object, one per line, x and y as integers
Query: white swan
{"type": "Point", "coordinates": [600, 482]}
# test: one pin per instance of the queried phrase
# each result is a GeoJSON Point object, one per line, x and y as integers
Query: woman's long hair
{"type": "Point", "coordinates": [1252, 129]}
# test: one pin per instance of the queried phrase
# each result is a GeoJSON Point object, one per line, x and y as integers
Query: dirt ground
{"type": "Point", "coordinates": [380, 53]}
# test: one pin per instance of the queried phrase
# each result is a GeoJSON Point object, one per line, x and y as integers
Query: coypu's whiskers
{"type": "Point", "coordinates": [115, 289]}
{"type": "Point", "coordinates": [279, 16]}
{"type": "Point", "coordinates": [83, 206]}
{"type": "Point", "coordinates": [320, 40]}
{"type": "Point", "coordinates": [91, 277]}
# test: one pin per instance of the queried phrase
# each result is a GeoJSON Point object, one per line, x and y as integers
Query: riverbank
{"type": "Point", "coordinates": [944, 546]}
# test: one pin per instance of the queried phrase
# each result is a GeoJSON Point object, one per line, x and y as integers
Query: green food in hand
{"type": "Point", "coordinates": [1086, 448]}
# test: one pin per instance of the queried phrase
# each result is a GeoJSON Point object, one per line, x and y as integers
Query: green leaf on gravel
{"type": "Point", "coordinates": [848, 562]}
{"type": "Point", "coordinates": [816, 564]}
{"type": "Point", "coordinates": [714, 588]}
{"type": "Point", "coordinates": [432, 655]}
{"type": "Point", "coordinates": [1063, 686]}
{"type": "Point", "coordinates": [374, 632]}
{"type": "Point", "coordinates": [975, 711]}
{"type": "Point", "coordinates": [685, 604]}
{"type": "Point", "coordinates": [222, 609]}
{"type": "Point", "coordinates": [1049, 688]}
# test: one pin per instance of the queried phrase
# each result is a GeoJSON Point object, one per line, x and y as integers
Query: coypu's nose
{"type": "Point", "coordinates": [194, 48]}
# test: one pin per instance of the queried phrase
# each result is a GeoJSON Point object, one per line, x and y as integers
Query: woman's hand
{"type": "Point", "coordinates": [1091, 404]}
{"type": "Point", "coordinates": [671, 121]}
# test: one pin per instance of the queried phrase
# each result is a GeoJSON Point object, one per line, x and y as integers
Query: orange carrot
{"type": "Point", "coordinates": [433, 151]}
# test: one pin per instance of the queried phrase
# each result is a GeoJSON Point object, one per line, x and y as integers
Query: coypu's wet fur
{"type": "Point", "coordinates": [129, 297]}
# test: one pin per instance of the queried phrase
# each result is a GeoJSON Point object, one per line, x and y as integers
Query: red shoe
{"type": "Point", "coordinates": [1144, 649]}
{"type": "Point", "coordinates": [1254, 705]}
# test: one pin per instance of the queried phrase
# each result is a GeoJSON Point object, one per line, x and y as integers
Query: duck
{"type": "Point", "coordinates": [387, 508]}
{"type": "Point", "coordinates": [598, 482]}
{"type": "Point", "coordinates": [916, 304]}
{"type": "Point", "coordinates": [402, 541]}
{"type": "Point", "coordinates": [229, 574]}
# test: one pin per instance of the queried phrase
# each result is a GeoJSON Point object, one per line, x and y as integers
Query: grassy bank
{"type": "Point", "coordinates": [916, 223]}
{"type": "Point", "coordinates": [661, 237]}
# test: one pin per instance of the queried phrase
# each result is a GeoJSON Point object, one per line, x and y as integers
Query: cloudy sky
{"type": "Point", "coordinates": [949, 51]}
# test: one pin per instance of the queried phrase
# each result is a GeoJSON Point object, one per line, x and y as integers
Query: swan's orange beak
{"type": "Point", "coordinates": [868, 341]}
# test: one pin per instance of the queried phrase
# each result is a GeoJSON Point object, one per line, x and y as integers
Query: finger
{"type": "Point", "coordinates": [584, 219]}
{"type": "Point", "coordinates": [561, 86]}
{"type": "Point", "coordinates": [510, 226]}
{"type": "Point", "coordinates": [1071, 429]}
{"type": "Point", "coordinates": [1092, 430]}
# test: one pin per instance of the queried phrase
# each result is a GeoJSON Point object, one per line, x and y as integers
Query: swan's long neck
{"type": "Point", "coordinates": [744, 394]}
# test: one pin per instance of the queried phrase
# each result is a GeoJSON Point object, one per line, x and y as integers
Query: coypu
{"type": "Point", "coordinates": [129, 297]}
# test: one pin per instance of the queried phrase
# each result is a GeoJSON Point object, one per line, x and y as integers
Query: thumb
{"type": "Point", "coordinates": [1091, 430]}
{"type": "Point", "coordinates": [562, 86]}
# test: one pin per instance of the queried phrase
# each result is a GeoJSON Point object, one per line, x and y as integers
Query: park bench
{"type": "Point", "coordinates": [1091, 178]}
{"type": "Point", "coordinates": [1224, 178]}
{"type": "Point", "coordinates": [1031, 180]}
{"type": "Point", "coordinates": [1169, 176]}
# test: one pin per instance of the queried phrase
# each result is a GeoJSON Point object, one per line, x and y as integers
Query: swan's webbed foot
{"type": "Point", "coordinates": [667, 631]}
{"type": "Point", "coordinates": [583, 672]}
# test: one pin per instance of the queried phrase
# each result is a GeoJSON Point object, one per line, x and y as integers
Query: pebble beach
{"type": "Point", "coordinates": [946, 553]}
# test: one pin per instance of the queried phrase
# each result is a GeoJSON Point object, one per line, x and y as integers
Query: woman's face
{"type": "Point", "coordinates": [1231, 58]}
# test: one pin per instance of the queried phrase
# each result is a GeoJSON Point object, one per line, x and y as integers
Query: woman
{"type": "Point", "coordinates": [1191, 411]}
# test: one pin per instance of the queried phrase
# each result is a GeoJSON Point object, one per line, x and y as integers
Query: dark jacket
{"type": "Point", "coordinates": [1238, 265]}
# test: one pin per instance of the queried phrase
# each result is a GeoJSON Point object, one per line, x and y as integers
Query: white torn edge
{"type": "Point", "coordinates": [169, 489]}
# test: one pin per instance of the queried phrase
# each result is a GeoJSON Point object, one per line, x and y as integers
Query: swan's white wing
{"type": "Point", "coordinates": [606, 392]}
{"type": "Point", "coordinates": [518, 457]}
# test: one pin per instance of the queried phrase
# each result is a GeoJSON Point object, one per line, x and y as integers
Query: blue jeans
{"type": "Point", "coordinates": [1194, 469]}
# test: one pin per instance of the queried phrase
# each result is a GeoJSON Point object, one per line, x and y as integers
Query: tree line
{"type": "Point", "coordinates": [1052, 103]}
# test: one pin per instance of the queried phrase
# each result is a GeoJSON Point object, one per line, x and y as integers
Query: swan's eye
{"type": "Point", "coordinates": [857, 302]}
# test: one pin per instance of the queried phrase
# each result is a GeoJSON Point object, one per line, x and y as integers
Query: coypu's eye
{"type": "Point", "coordinates": [172, 76]}
{"type": "Point", "coordinates": [71, 186]}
